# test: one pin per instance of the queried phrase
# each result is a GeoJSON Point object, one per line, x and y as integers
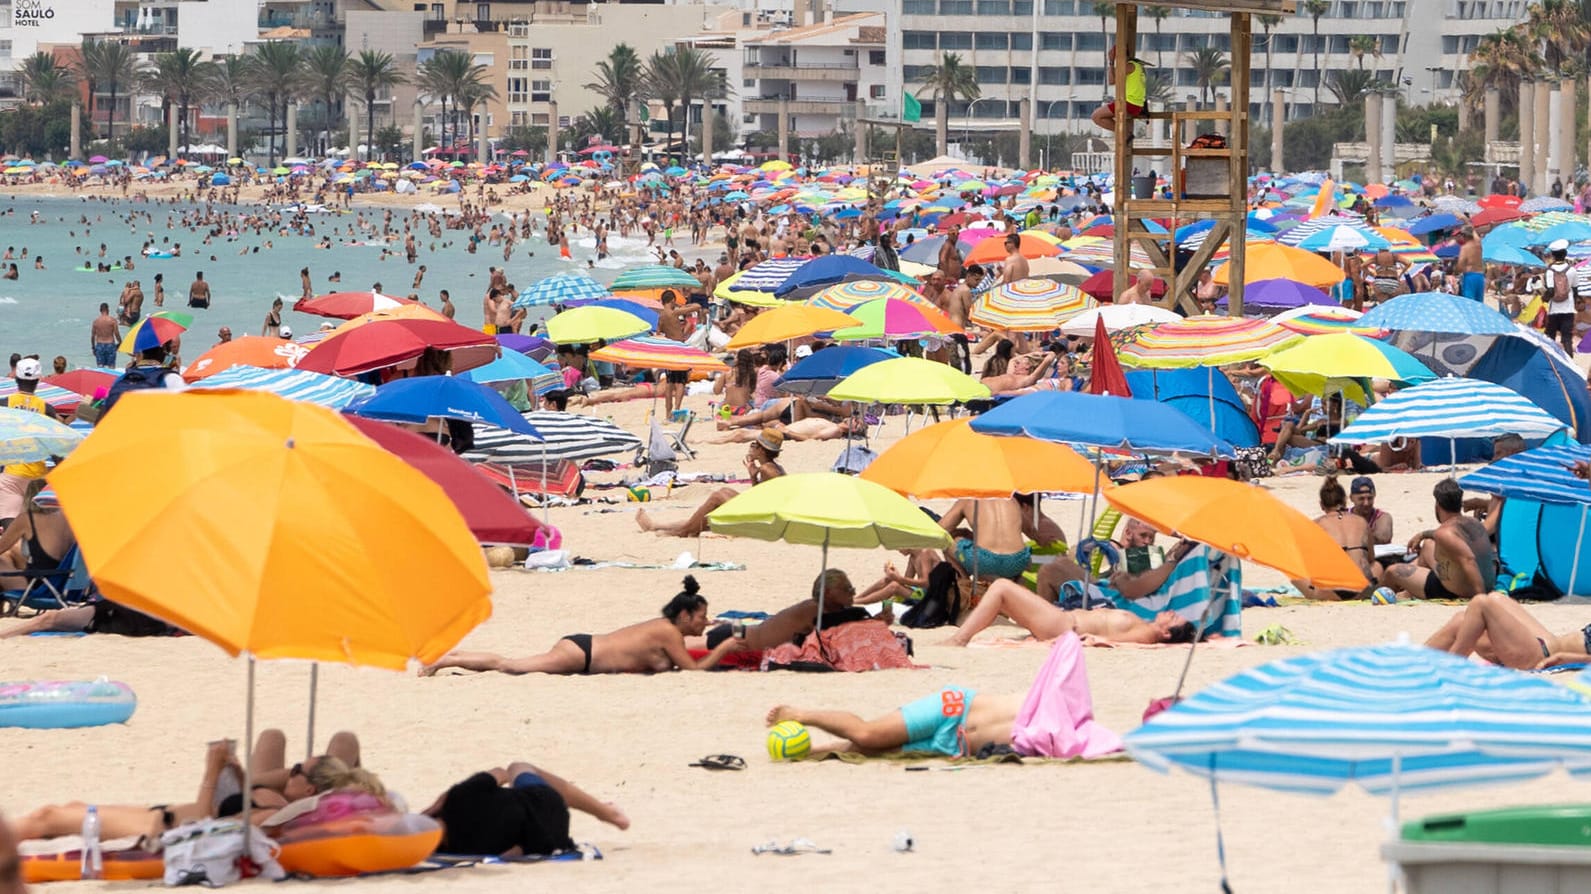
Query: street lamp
{"type": "Point", "coordinates": [1049, 130]}
{"type": "Point", "coordinates": [1433, 69]}
{"type": "Point", "coordinates": [966, 132]}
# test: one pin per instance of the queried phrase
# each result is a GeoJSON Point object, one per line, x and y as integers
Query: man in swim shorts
{"type": "Point", "coordinates": [953, 721]}
{"type": "Point", "coordinates": [1470, 268]}
{"type": "Point", "coordinates": [1456, 558]}
{"type": "Point", "coordinates": [995, 546]}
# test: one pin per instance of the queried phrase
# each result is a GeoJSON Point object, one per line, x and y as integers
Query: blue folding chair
{"type": "Point", "coordinates": [43, 589]}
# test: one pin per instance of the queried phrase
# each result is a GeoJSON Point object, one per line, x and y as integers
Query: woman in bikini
{"type": "Point", "coordinates": [638, 391]}
{"type": "Point", "coordinates": [648, 647]}
{"type": "Point", "coordinates": [1498, 629]}
{"type": "Point", "coordinates": [1388, 271]}
{"type": "Point", "coordinates": [1349, 530]}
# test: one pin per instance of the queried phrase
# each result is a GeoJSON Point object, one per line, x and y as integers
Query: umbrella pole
{"type": "Point", "coordinates": [1452, 457]}
{"type": "Point", "coordinates": [1579, 540]}
{"type": "Point", "coordinates": [976, 504]}
{"type": "Point", "coordinates": [1083, 519]}
{"type": "Point", "coordinates": [309, 734]}
{"type": "Point", "coordinates": [546, 505]}
{"type": "Point", "coordinates": [1392, 868]}
{"type": "Point", "coordinates": [248, 760]}
{"type": "Point", "coordinates": [823, 581]}
{"type": "Point", "coordinates": [1211, 388]}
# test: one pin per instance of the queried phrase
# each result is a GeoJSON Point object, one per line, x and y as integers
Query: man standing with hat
{"type": "Point", "coordinates": [1558, 283]}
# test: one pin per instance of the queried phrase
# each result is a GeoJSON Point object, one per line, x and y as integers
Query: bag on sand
{"type": "Point", "coordinates": [210, 853]}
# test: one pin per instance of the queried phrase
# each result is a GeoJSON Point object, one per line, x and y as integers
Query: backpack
{"type": "Point", "coordinates": [1560, 285]}
{"type": "Point", "coordinates": [137, 378]}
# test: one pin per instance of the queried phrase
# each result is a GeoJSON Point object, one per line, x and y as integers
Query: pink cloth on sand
{"type": "Point", "coordinates": [1057, 718]}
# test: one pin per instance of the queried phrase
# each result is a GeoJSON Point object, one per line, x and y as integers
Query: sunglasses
{"type": "Point", "coordinates": [297, 770]}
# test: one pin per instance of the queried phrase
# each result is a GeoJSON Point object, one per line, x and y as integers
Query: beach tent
{"type": "Point", "coordinates": [1541, 521]}
{"type": "Point", "coordinates": [1189, 391]}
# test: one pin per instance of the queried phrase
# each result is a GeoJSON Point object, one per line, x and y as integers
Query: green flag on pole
{"type": "Point", "coordinates": [911, 109]}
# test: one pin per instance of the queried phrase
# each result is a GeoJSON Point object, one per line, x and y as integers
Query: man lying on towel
{"type": "Point", "coordinates": [792, 624]}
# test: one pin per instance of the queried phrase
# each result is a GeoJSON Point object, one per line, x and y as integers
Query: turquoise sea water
{"type": "Point", "coordinates": [48, 311]}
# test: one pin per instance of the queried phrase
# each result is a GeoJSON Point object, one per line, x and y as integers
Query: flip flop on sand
{"type": "Point", "coordinates": [795, 848]}
{"type": "Point", "coordinates": [721, 762]}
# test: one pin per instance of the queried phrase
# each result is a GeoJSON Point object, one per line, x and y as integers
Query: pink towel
{"type": "Point", "coordinates": [1057, 718]}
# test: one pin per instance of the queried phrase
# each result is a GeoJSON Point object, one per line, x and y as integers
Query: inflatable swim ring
{"type": "Point", "coordinates": [160, 255]}
{"type": "Point", "coordinates": [65, 704]}
{"type": "Point", "coordinates": [120, 866]}
{"type": "Point", "coordinates": [358, 844]}
{"type": "Point", "coordinates": [113, 268]}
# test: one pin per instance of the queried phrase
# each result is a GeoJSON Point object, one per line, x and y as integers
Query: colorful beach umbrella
{"type": "Point", "coordinates": [569, 289]}
{"type": "Point", "coordinates": [155, 330]}
{"type": "Point", "coordinates": [824, 369]}
{"type": "Point", "coordinates": [1437, 312]}
{"type": "Point", "coordinates": [1242, 520]}
{"type": "Point", "coordinates": [347, 305]}
{"type": "Point", "coordinates": [387, 343]}
{"type": "Point", "coordinates": [846, 295]}
{"type": "Point", "coordinates": [584, 325]}
{"type": "Point", "coordinates": [302, 538]}
{"type": "Point", "coordinates": [949, 459]}
{"type": "Point", "coordinates": [331, 392]}
{"type": "Point", "coordinates": [1100, 420]}
{"type": "Point", "coordinates": [827, 270]}
{"type": "Point", "coordinates": [890, 319]}
{"type": "Point", "coordinates": [656, 352]}
{"type": "Point", "coordinates": [1329, 362]}
{"type": "Point", "coordinates": [60, 399]}
{"type": "Point", "coordinates": [909, 380]}
{"type": "Point", "coordinates": [1325, 320]}
{"type": "Point", "coordinates": [29, 437]}
{"type": "Point", "coordinates": [788, 322]}
{"type": "Point", "coordinates": [248, 350]}
{"type": "Point", "coordinates": [654, 276]}
{"type": "Point", "coordinates": [1275, 261]}
{"type": "Point", "coordinates": [1206, 340]}
{"type": "Point", "coordinates": [1450, 408]}
{"type": "Point", "coordinates": [1030, 305]}
{"type": "Point", "coordinates": [1280, 294]}
{"type": "Point", "coordinates": [992, 249]}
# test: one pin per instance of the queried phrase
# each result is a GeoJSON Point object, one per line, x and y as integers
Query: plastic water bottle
{"type": "Point", "coordinates": [93, 866]}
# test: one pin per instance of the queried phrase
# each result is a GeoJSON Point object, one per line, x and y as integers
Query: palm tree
{"type": "Point", "coordinates": [372, 72]}
{"type": "Point", "coordinates": [1159, 14]}
{"type": "Point", "coordinates": [601, 121]}
{"type": "Point", "coordinates": [230, 83]}
{"type": "Point", "coordinates": [471, 96]}
{"type": "Point", "coordinates": [1501, 59]}
{"type": "Point", "coordinates": [1561, 29]}
{"type": "Point", "coordinates": [1361, 44]}
{"type": "Point", "coordinates": [694, 77]}
{"type": "Point", "coordinates": [659, 82]}
{"type": "Point", "coordinates": [326, 79]}
{"type": "Point", "coordinates": [948, 81]}
{"type": "Point", "coordinates": [43, 81]}
{"type": "Point", "coordinates": [1268, 22]}
{"type": "Point", "coordinates": [432, 83]}
{"type": "Point", "coordinates": [1210, 67]}
{"type": "Point", "coordinates": [108, 67]}
{"type": "Point", "coordinates": [179, 77]}
{"type": "Point", "coordinates": [618, 78]}
{"type": "Point", "coordinates": [1349, 85]}
{"type": "Point", "coordinates": [1106, 12]}
{"type": "Point", "coordinates": [275, 74]}
{"type": "Point", "coordinates": [450, 75]}
{"type": "Point", "coordinates": [1315, 9]}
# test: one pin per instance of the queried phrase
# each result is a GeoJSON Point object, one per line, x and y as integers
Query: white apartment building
{"type": "Point", "coordinates": [816, 73]}
{"type": "Point", "coordinates": [1052, 52]}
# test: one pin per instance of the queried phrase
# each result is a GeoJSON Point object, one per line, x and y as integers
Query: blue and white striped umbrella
{"type": "Point", "coordinates": [1330, 224]}
{"type": "Point", "coordinates": [1341, 238]}
{"type": "Point", "coordinates": [768, 275]}
{"type": "Point", "coordinates": [562, 288]}
{"type": "Point", "coordinates": [29, 437]}
{"type": "Point", "coordinates": [1541, 475]}
{"type": "Point", "coordinates": [1437, 312]}
{"type": "Point", "coordinates": [294, 384]}
{"type": "Point", "coordinates": [1449, 408]}
{"type": "Point", "coordinates": [570, 436]}
{"type": "Point", "coordinates": [1390, 717]}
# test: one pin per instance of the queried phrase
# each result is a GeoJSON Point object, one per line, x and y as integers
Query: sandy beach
{"type": "Point", "coordinates": [1111, 826]}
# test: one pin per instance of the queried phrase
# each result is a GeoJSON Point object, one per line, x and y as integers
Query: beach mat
{"type": "Point", "coordinates": [922, 760]}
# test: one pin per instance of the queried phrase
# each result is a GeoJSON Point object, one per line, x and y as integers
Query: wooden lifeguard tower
{"type": "Point", "coordinates": [1198, 188]}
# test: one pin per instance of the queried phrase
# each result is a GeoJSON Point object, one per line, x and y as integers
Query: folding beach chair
{"type": "Point", "coordinates": [40, 590]}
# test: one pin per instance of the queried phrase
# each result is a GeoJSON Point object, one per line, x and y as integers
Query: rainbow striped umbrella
{"type": "Point", "coordinates": [1325, 320]}
{"type": "Point", "coordinates": [1030, 305]}
{"type": "Point", "coordinates": [892, 319]}
{"type": "Point", "coordinates": [155, 330]}
{"type": "Point", "coordinates": [846, 295]}
{"type": "Point", "coordinates": [1097, 251]}
{"type": "Point", "coordinates": [652, 352]}
{"type": "Point", "coordinates": [1206, 340]}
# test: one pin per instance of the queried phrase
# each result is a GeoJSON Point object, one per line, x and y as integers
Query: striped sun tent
{"type": "Point", "coordinates": [1542, 475]}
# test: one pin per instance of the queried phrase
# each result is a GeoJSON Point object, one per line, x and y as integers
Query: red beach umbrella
{"type": "Point", "coordinates": [379, 345]}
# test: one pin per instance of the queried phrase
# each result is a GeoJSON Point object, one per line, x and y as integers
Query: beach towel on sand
{"type": "Point", "coordinates": [1057, 718]}
{"type": "Point", "coordinates": [854, 646]}
{"type": "Point", "coordinates": [1204, 575]}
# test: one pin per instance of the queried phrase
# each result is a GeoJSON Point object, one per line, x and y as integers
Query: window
{"type": "Point", "coordinates": [919, 7]}
{"type": "Point", "coordinates": [1060, 7]}
{"type": "Point", "coordinates": [991, 40]}
{"type": "Point", "coordinates": [1159, 43]}
{"type": "Point", "coordinates": [5, 15]}
{"type": "Point", "coordinates": [994, 7]}
{"type": "Point", "coordinates": [1049, 40]}
{"type": "Point", "coordinates": [915, 73]}
{"type": "Point", "coordinates": [1022, 8]}
{"type": "Point", "coordinates": [1056, 76]}
{"type": "Point", "coordinates": [1091, 40]}
{"type": "Point", "coordinates": [1192, 43]}
{"type": "Point", "coordinates": [438, 13]}
{"type": "Point", "coordinates": [563, 120]}
{"type": "Point", "coordinates": [1222, 41]}
{"type": "Point", "coordinates": [518, 58]}
{"type": "Point", "coordinates": [541, 58]}
{"type": "Point", "coordinates": [486, 59]}
{"type": "Point", "coordinates": [955, 40]}
{"type": "Point", "coordinates": [1091, 76]}
{"type": "Point", "coordinates": [748, 82]}
{"type": "Point", "coordinates": [539, 119]}
{"type": "Point", "coordinates": [1021, 74]}
{"type": "Point", "coordinates": [5, 49]}
{"type": "Point", "coordinates": [518, 119]}
{"type": "Point", "coordinates": [990, 74]}
{"type": "Point", "coordinates": [483, 12]}
{"type": "Point", "coordinates": [955, 7]}
{"type": "Point", "coordinates": [876, 57]}
{"type": "Point", "coordinates": [541, 91]}
{"type": "Point", "coordinates": [877, 91]}
{"type": "Point", "coordinates": [1338, 44]}
{"type": "Point", "coordinates": [1022, 40]}
{"type": "Point", "coordinates": [1389, 44]}
{"type": "Point", "coordinates": [1449, 44]}
{"type": "Point", "coordinates": [748, 119]}
{"type": "Point", "coordinates": [518, 91]}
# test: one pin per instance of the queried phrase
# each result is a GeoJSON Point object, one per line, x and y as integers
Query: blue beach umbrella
{"type": "Point", "coordinates": [1433, 223]}
{"type": "Point", "coordinates": [1508, 254]}
{"type": "Point", "coordinates": [512, 366]}
{"type": "Point", "coordinates": [824, 369]}
{"type": "Point", "coordinates": [332, 392]}
{"type": "Point", "coordinates": [826, 270]}
{"type": "Point", "coordinates": [1437, 312]}
{"type": "Point", "coordinates": [1542, 475]}
{"type": "Point", "coordinates": [27, 437]}
{"type": "Point", "coordinates": [1450, 408]}
{"type": "Point", "coordinates": [1097, 420]}
{"type": "Point", "coordinates": [446, 397]}
{"type": "Point", "coordinates": [561, 288]}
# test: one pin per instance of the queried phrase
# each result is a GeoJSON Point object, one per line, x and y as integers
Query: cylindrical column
{"type": "Point", "coordinates": [292, 130]}
{"type": "Point", "coordinates": [859, 147]}
{"type": "Point", "coordinates": [1554, 137]}
{"type": "Point", "coordinates": [172, 128]}
{"type": "Point", "coordinates": [1567, 162]}
{"type": "Point", "coordinates": [1527, 133]}
{"type": "Point", "coordinates": [552, 131]}
{"type": "Point", "coordinates": [231, 131]}
{"type": "Point", "coordinates": [1278, 125]}
{"type": "Point", "coordinates": [1221, 124]}
{"type": "Point", "coordinates": [1372, 102]}
{"type": "Point", "coordinates": [418, 141]}
{"type": "Point", "coordinates": [708, 114]}
{"type": "Point", "coordinates": [1543, 107]}
{"type": "Point", "coordinates": [483, 146]}
{"type": "Point", "coordinates": [1389, 135]}
{"type": "Point", "coordinates": [1190, 129]}
{"type": "Point", "coordinates": [75, 148]}
{"type": "Point", "coordinates": [1494, 113]}
{"type": "Point", "coordinates": [1024, 143]}
{"type": "Point", "coordinates": [784, 128]}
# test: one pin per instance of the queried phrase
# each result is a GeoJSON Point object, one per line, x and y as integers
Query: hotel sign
{"type": "Point", "coordinates": [31, 13]}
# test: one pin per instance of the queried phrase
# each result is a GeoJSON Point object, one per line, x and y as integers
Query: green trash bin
{"type": "Point", "coordinates": [1516, 850]}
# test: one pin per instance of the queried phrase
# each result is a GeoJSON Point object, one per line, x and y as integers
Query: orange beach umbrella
{"type": "Point", "coordinates": [949, 459]}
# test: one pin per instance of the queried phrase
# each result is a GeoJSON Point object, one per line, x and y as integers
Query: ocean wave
{"type": "Point", "coordinates": [7, 299]}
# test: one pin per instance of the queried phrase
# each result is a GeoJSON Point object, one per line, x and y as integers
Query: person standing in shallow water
{"type": "Point", "coordinates": [199, 292]}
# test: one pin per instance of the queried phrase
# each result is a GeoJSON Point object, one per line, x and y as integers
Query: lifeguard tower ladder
{"type": "Point", "coordinates": [1205, 183]}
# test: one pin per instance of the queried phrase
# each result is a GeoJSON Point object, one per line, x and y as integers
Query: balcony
{"type": "Point", "coordinates": [432, 27]}
{"type": "Point", "coordinates": [837, 72]}
{"type": "Point", "coordinates": [769, 105]}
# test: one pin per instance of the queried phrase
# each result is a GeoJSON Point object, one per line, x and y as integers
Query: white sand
{"type": "Point", "coordinates": [1108, 827]}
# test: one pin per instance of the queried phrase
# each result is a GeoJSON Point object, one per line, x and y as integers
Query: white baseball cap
{"type": "Point", "coordinates": [1558, 245]}
{"type": "Point", "coordinates": [286, 331]}
{"type": "Point", "coordinates": [803, 351]}
{"type": "Point", "coordinates": [28, 369]}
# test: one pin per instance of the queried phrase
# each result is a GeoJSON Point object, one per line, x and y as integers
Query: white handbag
{"type": "Point", "coordinates": [210, 852]}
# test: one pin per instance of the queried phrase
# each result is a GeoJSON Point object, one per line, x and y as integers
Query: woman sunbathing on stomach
{"type": "Point", "coordinates": [648, 647]}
